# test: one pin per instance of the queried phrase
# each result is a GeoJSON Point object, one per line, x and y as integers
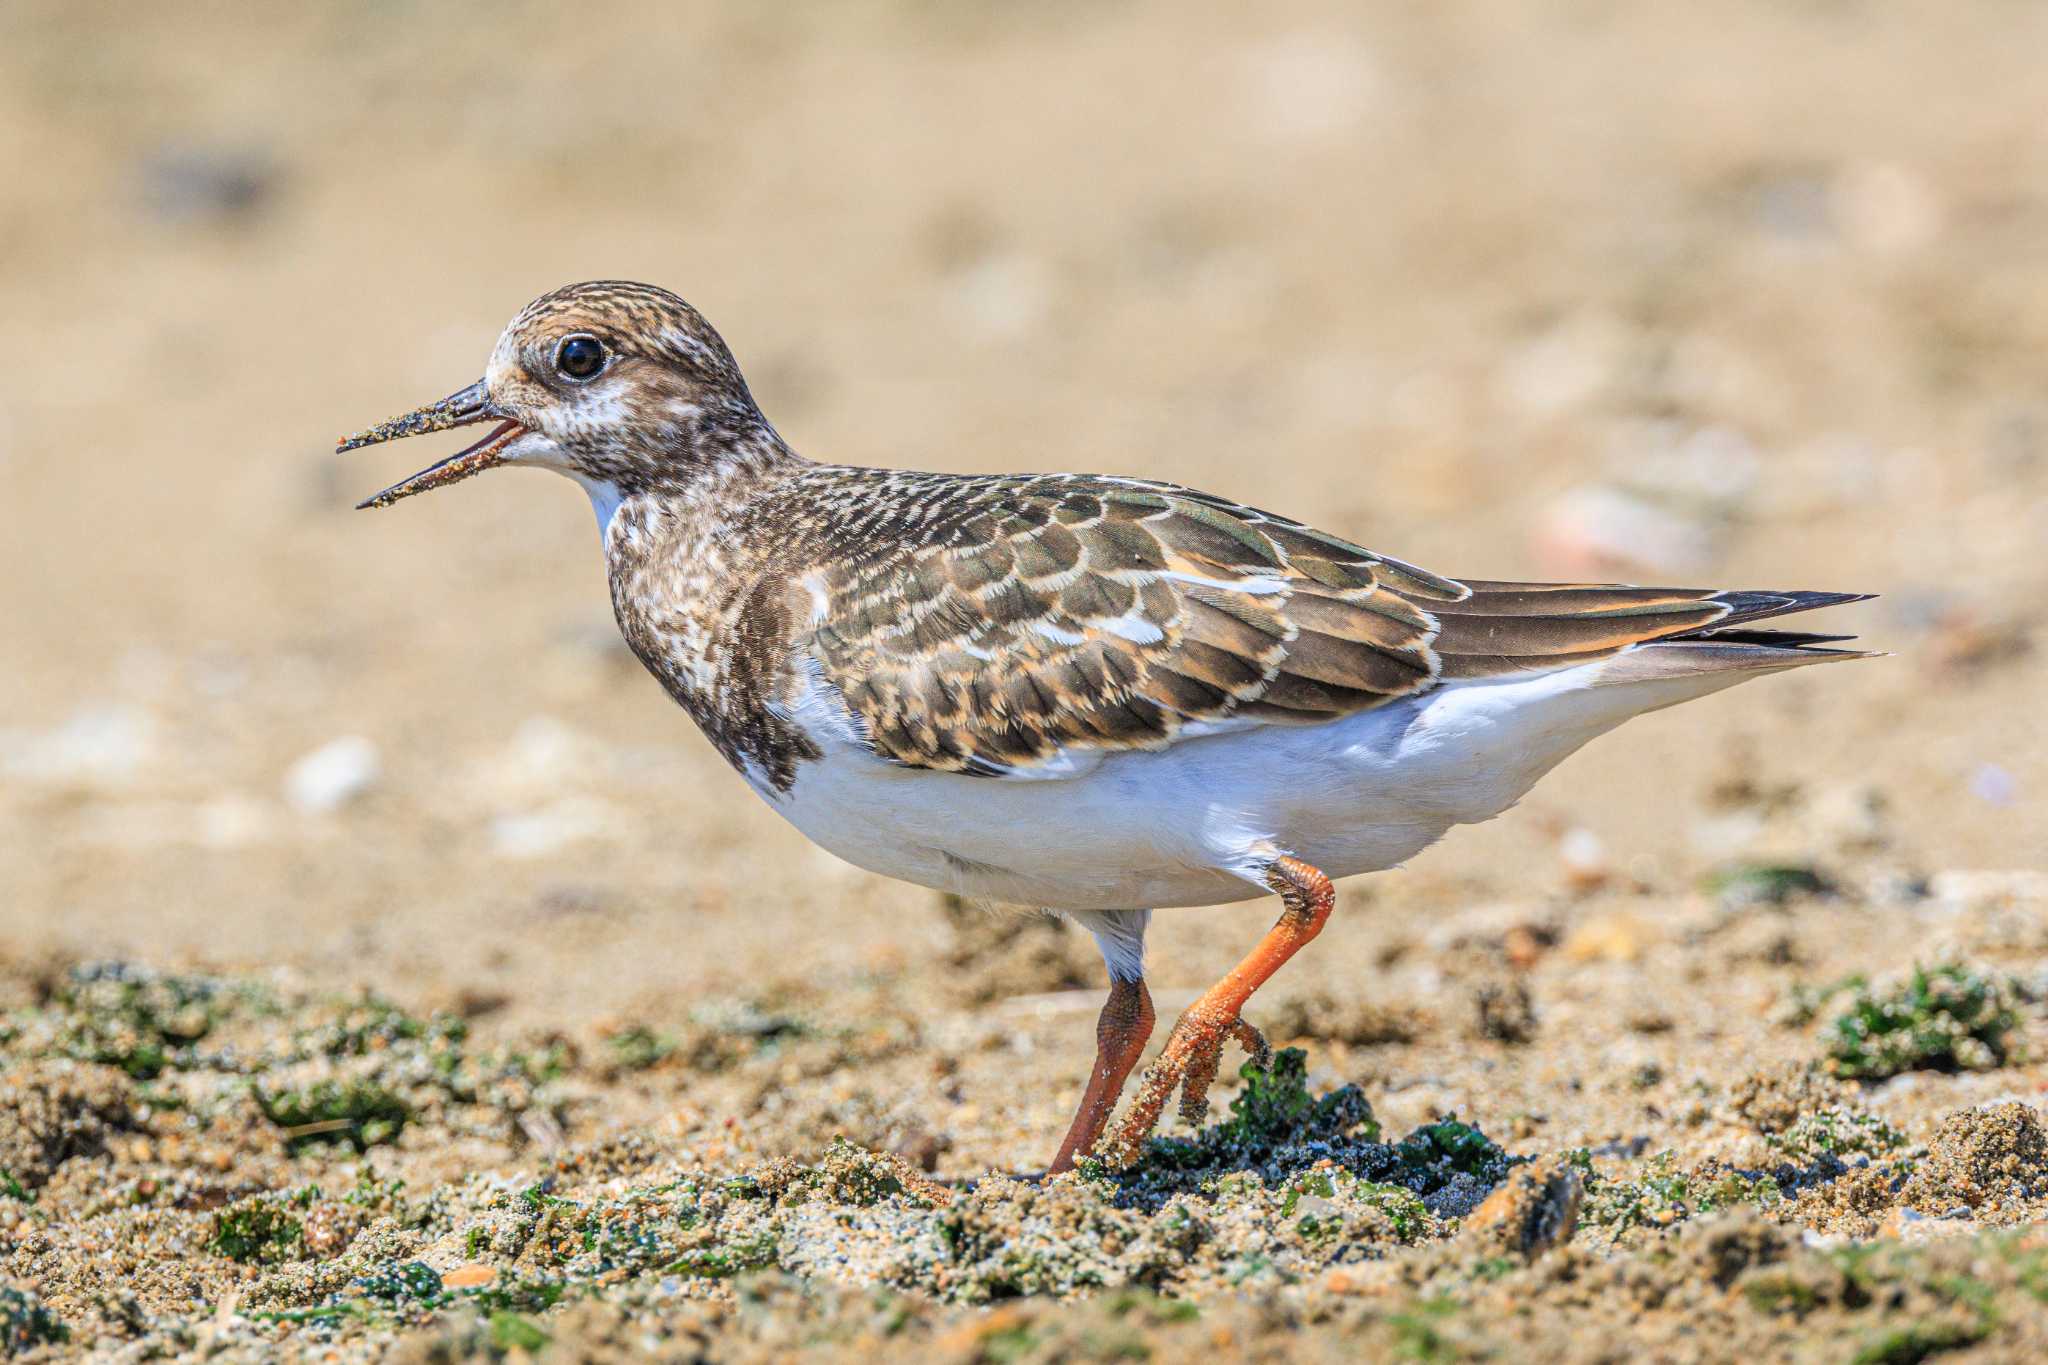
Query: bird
{"type": "Point", "coordinates": [1099, 695]}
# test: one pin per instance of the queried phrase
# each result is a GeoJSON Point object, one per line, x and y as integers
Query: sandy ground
{"type": "Point", "coordinates": [1751, 294]}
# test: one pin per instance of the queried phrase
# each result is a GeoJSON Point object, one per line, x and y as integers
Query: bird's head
{"type": "Point", "coordinates": [621, 386]}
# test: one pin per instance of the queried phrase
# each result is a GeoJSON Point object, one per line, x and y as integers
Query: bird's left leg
{"type": "Point", "coordinates": [1193, 1049]}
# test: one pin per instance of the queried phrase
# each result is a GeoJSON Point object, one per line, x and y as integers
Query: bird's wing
{"type": "Point", "coordinates": [1051, 615]}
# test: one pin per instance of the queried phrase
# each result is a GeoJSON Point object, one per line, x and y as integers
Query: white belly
{"type": "Point", "coordinates": [1194, 823]}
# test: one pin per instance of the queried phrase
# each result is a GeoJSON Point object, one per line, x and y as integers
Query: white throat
{"type": "Point", "coordinates": [605, 498]}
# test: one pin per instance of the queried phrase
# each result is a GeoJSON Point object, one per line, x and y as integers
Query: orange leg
{"type": "Point", "coordinates": [1196, 1043]}
{"type": "Point", "coordinates": [1120, 1035]}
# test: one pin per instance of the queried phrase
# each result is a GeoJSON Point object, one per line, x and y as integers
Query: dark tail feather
{"type": "Point", "coordinates": [1730, 645]}
{"type": "Point", "coordinates": [1783, 639]}
{"type": "Point", "coordinates": [1747, 606]}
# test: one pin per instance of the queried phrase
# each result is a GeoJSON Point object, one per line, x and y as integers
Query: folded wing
{"type": "Point", "coordinates": [1060, 613]}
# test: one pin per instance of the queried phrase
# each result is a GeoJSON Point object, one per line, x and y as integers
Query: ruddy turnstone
{"type": "Point", "coordinates": [1096, 694]}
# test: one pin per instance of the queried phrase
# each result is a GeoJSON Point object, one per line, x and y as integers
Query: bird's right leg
{"type": "Point", "coordinates": [1120, 1036]}
{"type": "Point", "coordinates": [1120, 1033]}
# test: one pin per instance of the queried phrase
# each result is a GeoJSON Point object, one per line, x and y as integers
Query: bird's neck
{"type": "Point", "coordinates": [703, 461]}
{"type": "Point", "coordinates": [697, 597]}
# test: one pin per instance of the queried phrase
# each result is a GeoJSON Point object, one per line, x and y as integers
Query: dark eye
{"type": "Point", "coordinates": [579, 357]}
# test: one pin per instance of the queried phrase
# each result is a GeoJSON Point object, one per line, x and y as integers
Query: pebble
{"type": "Point", "coordinates": [1310, 87]}
{"type": "Point", "coordinates": [1973, 888]}
{"type": "Point", "coordinates": [1614, 937]}
{"type": "Point", "coordinates": [1994, 785]}
{"type": "Point", "coordinates": [1004, 297]}
{"type": "Point", "coordinates": [1564, 367]}
{"type": "Point", "coordinates": [1533, 1211]}
{"type": "Point", "coordinates": [1885, 209]}
{"type": "Point", "coordinates": [333, 775]}
{"type": "Point", "coordinates": [1600, 529]}
{"type": "Point", "coordinates": [97, 746]}
{"type": "Point", "coordinates": [183, 184]}
{"type": "Point", "coordinates": [231, 820]}
{"type": "Point", "coordinates": [1584, 859]}
{"type": "Point", "coordinates": [535, 833]}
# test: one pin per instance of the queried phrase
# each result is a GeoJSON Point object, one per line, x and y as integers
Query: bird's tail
{"type": "Point", "coordinates": [1733, 645]}
{"type": "Point", "coordinates": [1505, 630]}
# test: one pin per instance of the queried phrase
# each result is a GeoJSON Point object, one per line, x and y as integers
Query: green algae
{"type": "Point", "coordinates": [25, 1323]}
{"type": "Point", "coordinates": [257, 1231]}
{"type": "Point", "coordinates": [1945, 1018]}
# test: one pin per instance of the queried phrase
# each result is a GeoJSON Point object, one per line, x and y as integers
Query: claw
{"type": "Point", "coordinates": [1254, 1044]}
{"type": "Point", "coordinates": [1208, 1059]}
{"type": "Point", "coordinates": [1196, 1080]}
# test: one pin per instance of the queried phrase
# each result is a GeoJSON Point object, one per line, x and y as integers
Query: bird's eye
{"type": "Point", "coordinates": [579, 357]}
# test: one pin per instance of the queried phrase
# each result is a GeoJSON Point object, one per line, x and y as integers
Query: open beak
{"type": "Point", "coordinates": [463, 409]}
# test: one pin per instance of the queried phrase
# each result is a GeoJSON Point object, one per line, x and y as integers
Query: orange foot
{"type": "Point", "coordinates": [1195, 1048]}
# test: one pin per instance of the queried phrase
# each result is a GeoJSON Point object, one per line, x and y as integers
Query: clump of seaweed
{"type": "Point", "coordinates": [1659, 1193]}
{"type": "Point", "coordinates": [1275, 1126]}
{"type": "Point", "coordinates": [718, 1036]}
{"type": "Point", "coordinates": [1946, 1018]}
{"type": "Point", "coordinates": [358, 1111]}
{"type": "Point", "coordinates": [141, 1021]}
{"type": "Point", "coordinates": [1927, 1300]}
{"type": "Point", "coordinates": [257, 1231]}
{"type": "Point", "coordinates": [1830, 1136]}
{"type": "Point", "coordinates": [1740, 885]}
{"type": "Point", "coordinates": [25, 1323]}
{"type": "Point", "coordinates": [372, 1024]}
{"type": "Point", "coordinates": [1438, 1154]}
{"type": "Point", "coordinates": [1278, 1129]}
{"type": "Point", "coordinates": [850, 1175]}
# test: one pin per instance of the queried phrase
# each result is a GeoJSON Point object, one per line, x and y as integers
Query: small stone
{"type": "Point", "coordinates": [1598, 529]}
{"type": "Point", "coordinates": [1004, 297]}
{"type": "Point", "coordinates": [1564, 367]}
{"type": "Point", "coordinates": [1533, 1211]}
{"type": "Point", "coordinates": [1308, 87]}
{"type": "Point", "coordinates": [1608, 938]}
{"type": "Point", "coordinates": [1584, 859]}
{"type": "Point", "coordinates": [1885, 209]}
{"type": "Point", "coordinates": [470, 1276]}
{"type": "Point", "coordinates": [206, 184]}
{"type": "Point", "coordinates": [536, 833]}
{"type": "Point", "coordinates": [333, 775]}
{"type": "Point", "coordinates": [97, 746]}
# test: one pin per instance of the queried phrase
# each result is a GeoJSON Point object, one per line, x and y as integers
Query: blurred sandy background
{"type": "Point", "coordinates": [1749, 293]}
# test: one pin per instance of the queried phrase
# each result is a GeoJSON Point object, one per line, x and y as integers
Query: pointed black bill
{"type": "Point", "coordinates": [463, 409]}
